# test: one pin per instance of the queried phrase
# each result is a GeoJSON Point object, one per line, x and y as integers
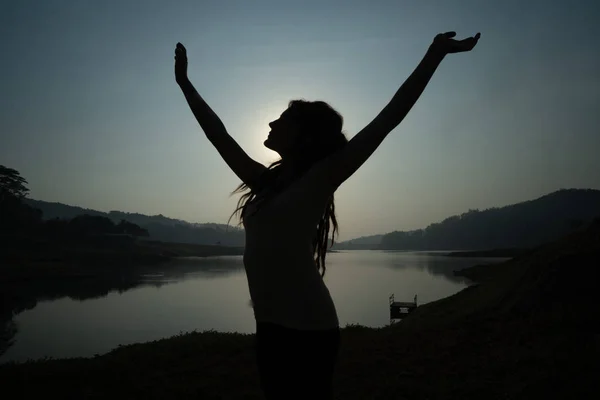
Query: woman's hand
{"type": "Point", "coordinates": [444, 43]}
{"type": "Point", "coordinates": [181, 63]}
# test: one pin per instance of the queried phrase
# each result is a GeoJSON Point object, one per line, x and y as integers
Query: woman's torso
{"type": "Point", "coordinates": [285, 286]}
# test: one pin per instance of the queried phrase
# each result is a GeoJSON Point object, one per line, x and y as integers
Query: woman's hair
{"type": "Point", "coordinates": [323, 125]}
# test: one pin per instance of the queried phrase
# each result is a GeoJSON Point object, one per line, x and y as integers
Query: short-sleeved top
{"type": "Point", "coordinates": [285, 286]}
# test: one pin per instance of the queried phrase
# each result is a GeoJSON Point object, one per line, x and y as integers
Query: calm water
{"type": "Point", "coordinates": [211, 293]}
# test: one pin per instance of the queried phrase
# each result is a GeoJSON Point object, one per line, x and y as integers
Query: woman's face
{"type": "Point", "coordinates": [284, 136]}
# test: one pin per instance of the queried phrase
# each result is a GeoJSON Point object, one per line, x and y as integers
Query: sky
{"type": "Point", "coordinates": [90, 113]}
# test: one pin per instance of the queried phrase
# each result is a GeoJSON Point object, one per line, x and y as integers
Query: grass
{"type": "Point", "coordinates": [454, 362]}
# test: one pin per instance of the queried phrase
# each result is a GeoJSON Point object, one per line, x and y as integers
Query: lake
{"type": "Point", "coordinates": [212, 294]}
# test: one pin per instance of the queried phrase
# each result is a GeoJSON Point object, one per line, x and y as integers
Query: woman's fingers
{"type": "Point", "coordinates": [468, 43]}
{"type": "Point", "coordinates": [446, 43]}
{"type": "Point", "coordinates": [180, 50]}
{"type": "Point", "coordinates": [180, 53]}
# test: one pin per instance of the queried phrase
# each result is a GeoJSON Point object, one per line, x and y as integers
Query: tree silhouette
{"type": "Point", "coordinates": [15, 215]}
{"type": "Point", "coordinates": [12, 184]}
{"type": "Point", "coordinates": [131, 229]}
{"type": "Point", "coordinates": [91, 225]}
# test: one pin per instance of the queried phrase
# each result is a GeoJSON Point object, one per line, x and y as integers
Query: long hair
{"type": "Point", "coordinates": [323, 125]}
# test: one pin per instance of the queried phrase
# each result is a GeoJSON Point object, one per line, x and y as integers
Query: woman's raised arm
{"type": "Point", "coordinates": [341, 165]}
{"type": "Point", "coordinates": [247, 169]}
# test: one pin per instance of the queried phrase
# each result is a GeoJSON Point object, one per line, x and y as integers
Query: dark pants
{"type": "Point", "coordinates": [296, 364]}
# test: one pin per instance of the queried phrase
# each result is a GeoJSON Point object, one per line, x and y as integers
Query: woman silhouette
{"type": "Point", "coordinates": [287, 213]}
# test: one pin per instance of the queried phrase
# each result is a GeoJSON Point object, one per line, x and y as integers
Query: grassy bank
{"type": "Point", "coordinates": [529, 330]}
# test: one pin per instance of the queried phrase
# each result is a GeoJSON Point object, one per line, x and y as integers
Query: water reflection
{"type": "Point", "coordinates": [21, 296]}
{"type": "Point", "coordinates": [436, 263]}
{"type": "Point", "coordinates": [196, 267]}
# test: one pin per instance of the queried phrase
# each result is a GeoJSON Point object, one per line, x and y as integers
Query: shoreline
{"type": "Point", "coordinates": [499, 253]}
{"type": "Point", "coordinates": [32, 260]}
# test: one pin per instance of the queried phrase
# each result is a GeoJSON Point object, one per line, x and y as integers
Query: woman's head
{"type": "Point", "coordinates": [306, 130]}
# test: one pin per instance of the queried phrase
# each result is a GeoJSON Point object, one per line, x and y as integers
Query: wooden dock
{"type": "Point", "coordinates": [401, 309]}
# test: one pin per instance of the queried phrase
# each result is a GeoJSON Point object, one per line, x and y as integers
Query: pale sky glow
{"type": "Point", "coordinates": [91, 116]}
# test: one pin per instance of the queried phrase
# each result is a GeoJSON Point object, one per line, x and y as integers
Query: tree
{"type": "Point", "coordinates": [91, 225]}
{"type": "Point", "coordinates": [15, 215]}
{"type": "Point", "coordinates": [12, 183]}
{"type": "Point", "coordinates": [131, 229]}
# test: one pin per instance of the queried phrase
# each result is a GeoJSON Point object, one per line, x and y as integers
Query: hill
{"type": "Point", "coordinates": [522, 225]}
{"type": "Point", "coordinates": [159, 227]}
{"type": "Point", "coordinates": [363, 242]}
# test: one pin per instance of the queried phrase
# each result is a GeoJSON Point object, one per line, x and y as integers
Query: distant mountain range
{"type": "Point", "coordinates": [159, 227]}
{"type": "Point", "coordinates": [520, 225]}
{"type": "Point", "coordinates": [524, 224]}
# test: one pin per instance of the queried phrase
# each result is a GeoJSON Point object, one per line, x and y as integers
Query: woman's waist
{"type": "Point", "coordinates": [287, 289]}
{"type": "Point", "coordinates": [277, 257]}
{"type": "Point", "coordinates": [296, 295]}
{"type": "Point", "coordinates": [316, 312]}
{"type": "Point", "coordinates": [281, 244]}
